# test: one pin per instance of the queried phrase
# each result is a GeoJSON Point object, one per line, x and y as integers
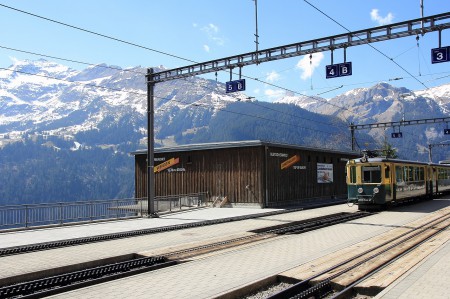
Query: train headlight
{"type": "Point", "coordinates": [376, 190]}
{"type": "Point", "coordinates": [360, 190]}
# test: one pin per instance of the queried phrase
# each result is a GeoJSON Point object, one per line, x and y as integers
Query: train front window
{"type": "Point", "coordinates": [371, 174]}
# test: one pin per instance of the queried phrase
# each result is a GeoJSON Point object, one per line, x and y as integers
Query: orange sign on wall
{"type": "Point", "coordinates": [166, 164]}
{"type": "Point", "coordinates": [289, 162]}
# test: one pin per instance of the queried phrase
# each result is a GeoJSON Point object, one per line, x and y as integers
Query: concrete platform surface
{"type": "Point", "coordinates": [219, 273]}
{"type": "Point", "coordinates": [40, 235]}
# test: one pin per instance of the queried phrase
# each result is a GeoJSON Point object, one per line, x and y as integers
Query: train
{"type": "Point", "coordinates": [375, 183]}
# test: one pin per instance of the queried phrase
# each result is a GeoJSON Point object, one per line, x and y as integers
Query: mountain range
{"type": "Point", "coordinates": [64, 130]}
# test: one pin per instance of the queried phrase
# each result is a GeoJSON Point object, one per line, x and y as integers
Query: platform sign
{"type": "Point", "coordinates": [236, 85]}
{"type": "Point", "coordinates": [397, 135]}
{"type": "Point", "coordinates": [338, 70]}
{"type": "Point", "coordinates": [345, 69]}
{"type": "Point", "coordinates": [446, 131]}
{"type": "Point", "coordinates": [332, 71]}
{"type": "Point", "coordinates": [439, 55]}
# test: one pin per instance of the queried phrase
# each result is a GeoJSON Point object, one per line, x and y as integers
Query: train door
{"type": "Point", "coordinates": [388, 178]}
{"type": "Point", "coordinates": [431, 186]}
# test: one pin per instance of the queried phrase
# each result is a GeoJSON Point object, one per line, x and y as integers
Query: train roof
{"type": "Point", "coordinates": [384, 159]}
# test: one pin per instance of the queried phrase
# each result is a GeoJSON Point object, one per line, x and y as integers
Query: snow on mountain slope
{"type": "Point", "coordinates": [38, 96]}
{"type": "Point", "coordinates": [45, 97]}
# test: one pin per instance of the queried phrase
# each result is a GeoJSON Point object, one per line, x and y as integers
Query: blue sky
{"type": "Point", "coordinates": [204, 30]}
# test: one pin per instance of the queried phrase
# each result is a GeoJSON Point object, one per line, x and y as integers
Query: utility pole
{"type": "Point", "coordinates": [421, 15]}
{"type": "Point", "coordinates": [256, 28]}
{"type": "Point", "coordinates": [150, 146]}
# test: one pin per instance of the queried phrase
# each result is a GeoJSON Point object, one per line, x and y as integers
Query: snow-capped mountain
{"type": "Point", "coordinates": [42, 97]}
{"type": "Point", "coordinates": [379, 103]}
{"type": "Point", "coordinates": [66, 134]}
{"type": "Point", "coordinates": [48, 98]}
{"type": "Point", "coordinates": [386, 103]}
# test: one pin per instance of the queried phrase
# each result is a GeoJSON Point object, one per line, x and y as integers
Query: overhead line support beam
{"type": "Point", "coordinates": [392, 31]}
{"type": "Point", "coordinates": [400, 123]}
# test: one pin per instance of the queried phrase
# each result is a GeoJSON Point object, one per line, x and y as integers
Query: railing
{"type": "Point", "coordinates": [33, 215]}
{"type": "Point", "coordinates": [178, 202]}
{"type": "Point", "coordinates": [171, 203]}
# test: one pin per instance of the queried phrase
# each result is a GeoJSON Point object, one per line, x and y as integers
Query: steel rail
{"type": "Point", "coordinates": [303, 288]}
{"type": "Point", "coordinates": [106, 237]}
{"type": "Point", "coordinates": [128, 234]}
{"type": "Point", "coordinates": [349, 289]}
{"type": "Point", "coordinates": [82, 278]}
{"type": "Point", "coordinates": [69, 281]}
{"type": "Point", "coordinates": [307, 225]}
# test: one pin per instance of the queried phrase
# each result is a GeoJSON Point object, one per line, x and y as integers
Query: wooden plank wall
{"type": "Point", "coordinates": [233, 172]}
{"type": "Point", "coordinates": [239, 174]}
{"type": "Point", "coordinates": [300, 181]}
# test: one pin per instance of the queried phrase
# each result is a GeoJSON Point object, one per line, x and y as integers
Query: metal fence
{"type": "Point", "coordinates": [179, 202]}
{"type": "Point", "coordinates": [33, 215]}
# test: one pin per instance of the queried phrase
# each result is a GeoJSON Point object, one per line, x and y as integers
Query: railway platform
{"type": "Point", "coordinates": [223, 274]}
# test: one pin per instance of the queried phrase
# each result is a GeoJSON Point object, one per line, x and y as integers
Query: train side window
{"type": "Point", "coordinates": [405, 173]}
{"type": "Point", "coordinates": [386, 172]}
{"type": "Point", "coordinates": [421, 174]}
{"type": "Point", "coordinates": [399, 173]}
{"type": "Point", "coordinates": [411, 174]}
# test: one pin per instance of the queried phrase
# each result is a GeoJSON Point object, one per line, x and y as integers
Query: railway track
{"type": "Point", "coordinates": [339, 281]}
{"type": "Point", "coordinates": [128, 234]}
{"type": "Point", "coordinates": [46, 286]}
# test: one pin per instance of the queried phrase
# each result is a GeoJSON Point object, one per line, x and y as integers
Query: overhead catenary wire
{"type": "Point", "coordinates": [71, 60]}
{"type": "Point", "coordinates": [97, 34]}
{"type": "Point", "coordinates": [114, 68]}
{"type": "Point", "coordinates": [329, 88]}
{"type": "Point", "coordinates": [183, 102]}
{"type": "Point", "coordinates": [133, 44]}
{"type": "Point", "coordinates": [168, 99]}
{"type": "Point", "coordinates": [373, 47]}
{"type": "Point", "coordinates": [178, 57]}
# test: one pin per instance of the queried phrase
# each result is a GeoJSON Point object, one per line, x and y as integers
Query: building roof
{"type": "Point", "coordinates": [235, 144]}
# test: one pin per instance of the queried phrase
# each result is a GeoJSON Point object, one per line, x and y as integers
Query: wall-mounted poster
{"type": "Point", "coordinates": [324, 173]}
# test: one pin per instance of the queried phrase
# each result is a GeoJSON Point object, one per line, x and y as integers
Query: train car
{"type": "Point", "coordinates": [376, 183]}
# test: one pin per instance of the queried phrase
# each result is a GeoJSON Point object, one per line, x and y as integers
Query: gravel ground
{"type": "Point", "coordinates": [268, 291]}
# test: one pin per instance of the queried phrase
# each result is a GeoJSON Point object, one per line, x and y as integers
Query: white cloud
{"type": "Point", "coordinates": [211, 28]}
{"type": "Point", "coordinates": [206, 48]}
{"type": "Point", "coordinates": [307, 65]}
{"type": "Point", "coordinates": [272, 76]}
{"type": "Point", "coordinates": [274, 94]}
{"type": "Point", "coordinates": [212, 32]}
{"type": "Point", "coordinates": [375, 16]}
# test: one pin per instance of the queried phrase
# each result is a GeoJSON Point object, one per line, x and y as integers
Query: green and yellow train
{"type": "Point", "coordinates": [375, 183]}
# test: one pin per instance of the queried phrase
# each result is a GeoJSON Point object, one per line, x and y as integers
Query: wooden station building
{"type": "Point", "coordinates": [253, 173]}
